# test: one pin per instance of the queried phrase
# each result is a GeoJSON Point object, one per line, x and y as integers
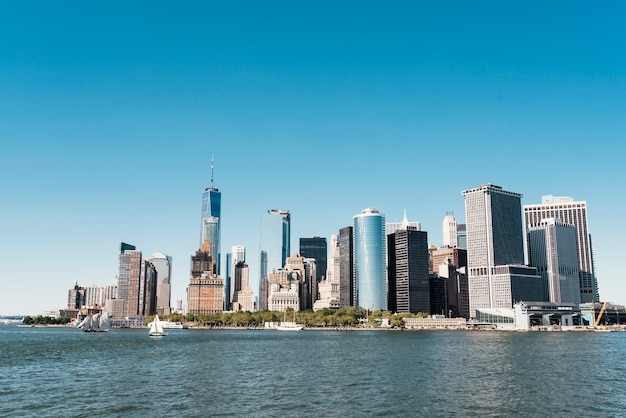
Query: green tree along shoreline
{"type": "Point", "coordinates": [45, 320]}
{"type": "Point", "coordinates": [324, 318]}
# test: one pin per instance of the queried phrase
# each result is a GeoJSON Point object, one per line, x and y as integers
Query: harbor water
{"type": "Point", "coordinates": [64, 372]}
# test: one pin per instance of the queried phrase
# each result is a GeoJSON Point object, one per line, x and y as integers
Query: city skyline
{"type": "Point", "coordinates": [321, 111]}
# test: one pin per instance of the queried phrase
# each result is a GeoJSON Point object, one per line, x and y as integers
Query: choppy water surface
{"type": "Point", "coordinates": [196, 373]}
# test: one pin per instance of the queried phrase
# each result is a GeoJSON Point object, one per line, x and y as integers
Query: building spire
{"type": "Point", "coordinates": [212, 166]}
{"type": "Point", "coordinates": [405, 221]}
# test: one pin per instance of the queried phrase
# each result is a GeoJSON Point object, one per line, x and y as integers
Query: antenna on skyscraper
{"type": "Point", "coordinates": [212, 164]}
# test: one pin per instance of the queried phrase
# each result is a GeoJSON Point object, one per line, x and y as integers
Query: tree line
{"type": "Point", "coordinates": [334, 318]}
{"type": "Point", "coordinates": [45, 320]}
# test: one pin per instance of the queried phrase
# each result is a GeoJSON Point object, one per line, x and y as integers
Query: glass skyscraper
{"type": "Point", "coordinates": [497, 276]}
{"type": "Point", "coordinates": [275, 246]}
{"type": "Point", "coordinates": [552, 250]}
{"type": "Point", "coordinates": [370, 254]}
{"type": "Point", "coordinates": [210, 220]}
{"type": "Point", "coordinates": [574, 213]}
{"type": "Point", "coordinates": [316, 248]}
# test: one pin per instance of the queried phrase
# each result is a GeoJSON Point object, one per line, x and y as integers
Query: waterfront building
{"type": "Point", "coordinates": [205, 293]}
{"type": "Point", "coordinates": [347, 283]}
{"type": "Point", "coordinates": [370, 258]}
{"type": "Point", "coordinates": [409, 288]}
{"type": "Point", "coordinates": [210, 219]}
{"type": "Point", "coordinates": [281, 298]}
{"type": "Point", "coordinates": [497, 277]}
{"type": "Point", "coordinates": [275, 247]}
{"type": "Point", "coordinates": [163, 265]}
{"type": "Point", "coordinates": [302, 271]}
{"type": "Point", "coordinates": [243, 299]}
{"type": "Point", "coordinates": [316, 248]}
{"type": "Point", "coordinates": [450, 233]}
{"type": "Point", "coordinates": [552, 250]}
{"type": "Point", "coordinates": [128, 279]}
{"type": "Point", "coordinates": [603, 313]}
{"type": "Point", "coordinates": [574, 213]}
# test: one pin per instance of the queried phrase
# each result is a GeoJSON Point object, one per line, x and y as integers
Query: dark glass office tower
{"type": "Point", "coordinates": [316, 248]}
{"type": "Point", "coordinates": [409, 289]}
{"type": "Point", "coordinates": [347, 285]}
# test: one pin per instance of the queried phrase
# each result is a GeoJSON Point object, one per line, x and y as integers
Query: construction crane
{"type": "Point", "coordinates": [599, 318]}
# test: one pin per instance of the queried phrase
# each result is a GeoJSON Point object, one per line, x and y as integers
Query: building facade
{"type": "Point", "coordinates": [552, 250]}
{"type": "Point", "coordinates": [205, 293]}
{"type": "Point", "coordinates": [574, 213]}
{"type": "Point", "coordinates": [210, 219]}
{"type": "Point", "coordinates": [163, 265]}
{"type": "Point", "coordinates": [370, 256]}
{"type": "Point", "coordinates": [494, 239]}
{"type": "Point", "coordinates": [129, 276]}
{"type": "Point", "coordinates": [347, 283]}
{"type": "Point", "coordinates": [316, 248]}
{"type": "Point", "coordinates": [450, 234]}
{"type": "Point", "coordinates": [243, 299]}
{"type": "Point", "coordinates": [409, 289]}
{"type": "Point", "coordinates": [275, 247]}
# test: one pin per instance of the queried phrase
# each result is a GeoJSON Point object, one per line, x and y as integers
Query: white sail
{"type": "Point", "coordinates": [156, 328]}
{"type": "Point", "coordinates": [83, 321]}
{"type": "Point", "coordinates": [105, 322]}
{"type": "Point", "coordinates": [95, 323]}
{"type": "Point", "coordinates": [87, 323]}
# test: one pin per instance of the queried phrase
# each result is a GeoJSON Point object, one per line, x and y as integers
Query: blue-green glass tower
{"type": "Point", "coordinates": [210, 219]}
{"type": "Point", "coordinates": [370, 256]}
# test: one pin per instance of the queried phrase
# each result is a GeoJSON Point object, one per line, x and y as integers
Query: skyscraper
{"type": "Point", "coordinates": [210, 220]}
{"type": "Point", "coordinates": [316, 248]}
{"type": "Point", "coordinates": [205, 293]}
{"type": "Point", "coordinates": [552, 250]}
{"type": "Point", "coordinates": [409, 289]}
{"type": "Point", "coordinates": [128, 279]}
{"type": "Point", "coordinates": [347, 284]}
{"type": "Point", "coordinates": [275, 247]}
{"type": "Point", "coordinates": [573, 213]}
{"type": "Point", "coordinates": [449, 231]}
{"type": "Point", "coordinates": [497, 277]}
{"type": "Point", "coordinates": [242, 296]}
{"type": "Point", "coordinates": [163, 265]}
{"type": "Point", "coordinates": [370, 258]}
{"type": "Point", "coordinates": [237, 254]}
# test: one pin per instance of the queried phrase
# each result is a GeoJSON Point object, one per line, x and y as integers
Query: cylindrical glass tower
{"type": "Point", "coordinates": [369, 259]}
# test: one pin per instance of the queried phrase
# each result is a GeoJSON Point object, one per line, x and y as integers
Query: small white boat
{"type": "Point", "coordinates": [290, 326]}
{"type": "Point", "coordinates": [156, 328]}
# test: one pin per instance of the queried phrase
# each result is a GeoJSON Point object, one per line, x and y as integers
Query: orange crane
{"type": "Point", "coordinates": [599, 318]}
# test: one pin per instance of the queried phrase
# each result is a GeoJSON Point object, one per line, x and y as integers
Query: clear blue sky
{"type": "Point", "coordinates": [110, 112]}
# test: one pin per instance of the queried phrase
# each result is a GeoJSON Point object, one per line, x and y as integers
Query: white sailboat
{"type": "Point", "coordinates": [156, 328]}
{"type": "Point", "coordinates": [290, 326]}
{"type": "Point", "coordinates": [95, 323]}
